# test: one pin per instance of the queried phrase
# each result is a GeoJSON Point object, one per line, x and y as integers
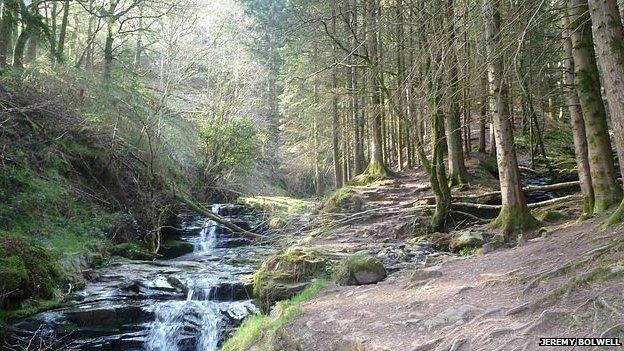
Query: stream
{"type": "Point", "coordinates": [187, 303]}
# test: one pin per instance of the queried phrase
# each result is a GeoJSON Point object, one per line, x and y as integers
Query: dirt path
{"type": "Point", "coordinates": [569, 282]}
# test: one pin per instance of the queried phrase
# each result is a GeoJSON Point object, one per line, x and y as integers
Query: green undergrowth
{"type": "Point", "coordinates": [76, 175]}
{"type": "Point", "coordinates": [258, 327]}
{"type": "Point", "coordinates": [468, 251]}
{"type": "Point", "coordinates": [29, 308]}
{"type": "Point", "coordinates": [278, 204]}
{"type": "Point", "coordinates": [559, 147]}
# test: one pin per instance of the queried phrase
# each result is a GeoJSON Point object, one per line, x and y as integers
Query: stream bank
{"type": "Point", "coordinates": [186, 303]}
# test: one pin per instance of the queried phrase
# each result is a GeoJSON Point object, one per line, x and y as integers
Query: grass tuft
{"type": "Point", "coordinates": [254, 328]}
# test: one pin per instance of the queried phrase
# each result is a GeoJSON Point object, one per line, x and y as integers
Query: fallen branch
{"type": "Point", "coordinates": [491, 195]}
{"type": "Point", "coordinates": [553, 201]}
{"type": "Point", "coordinates": [214, 217]}
{"type": "Point", "coordinates": [493, 210]}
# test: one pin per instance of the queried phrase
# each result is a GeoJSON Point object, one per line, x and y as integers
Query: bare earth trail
{"type": "Point", "coordinates": [567, 283]}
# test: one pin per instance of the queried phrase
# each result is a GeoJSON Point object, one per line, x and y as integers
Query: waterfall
{"type": "Point", "coordinates": [192, 323]}
{"type": "Point", "coordinates": [184, 324]}
{"type": "Point", "coordinates": [187, 303]}
{"type": "Point", "coordinates": [208, 234]}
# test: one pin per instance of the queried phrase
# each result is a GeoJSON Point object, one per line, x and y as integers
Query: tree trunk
{"type": "Point", "coordinates": [108, 44]}
{"type": "Point", "coordinates": [90, 38]}
{"type": "Point", "coordinates": [319, 181]}
{"type": "Point", "coordinates": [108, 52]}
{"type": "Point", "coordinates": [609, 39]}
{"type": "Point", "coordinates": [139, 42]}
{"type": "Point", "coordinates": [607, 191]}
{"type": "Point", "coordinates": [335, 117]}
{"type": "Point", "coordinates": [457, 167]}
{"type": "Point", "coordinates": [514, 215]}
{"type": "Point", "coordinates": [359, 161]}
{"type": "Point", "coordinates": [437, 171]}
{"type": "Point", "coordinates": [31, 49]}
{"type": "Point", "coordinates": [376, 165]}
{"type": "Point", "coordinates": [6, 33]}
{"type": "Point", "coordinates": [483, 117]}
{"type": "Point", "coordinates": [63, 31]}
{"type": "Point", "coordinates": [578, 125]}
{"type": "Point", "coordinates": [400, 58]}
{"type": "Point", "coordinates": [20, 46]}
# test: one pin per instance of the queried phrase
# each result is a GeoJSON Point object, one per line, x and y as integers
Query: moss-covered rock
{"type": "Point", "coordinates": [465, 239]}
{"type": "Point", "coordinates": [132, 251]}
{"type": "Point", "coordinates": [550, 216]}
{"type": "Point", "coordinates": [359, 269]}
{"type": "Point", "coordinates": [26, 271]}
{"type": "Point", "coordinates": [174, 248]}
{"type": "Point", "coordinates": [343, 200]}
{"type": "Point", "coordinates": [440, 241]}
{"type": "Point", "coordinates": [287, 273]}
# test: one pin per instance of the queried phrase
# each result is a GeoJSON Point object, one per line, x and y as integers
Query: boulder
{"type": "Point", "coordinates": [422, 276]}
{"type": "Point", "coordinates": [108, 316]}
{"type": "Point", "coordinates": [231, 291]}
{"type": "Point", "coordinates": [440, 241]}
{"type": "Point", "coordinates": [360, 269]}
{"type": "Point", "coordinates": [174, 248]}
{"type": "Point", "coordinates": [286, 273]}
{"type": "Point", "coordinates": [465, 238]}
{"type": "Point", "coordinates": [344, 200]}
{"type": "Point", "coordinates": [132, 251]}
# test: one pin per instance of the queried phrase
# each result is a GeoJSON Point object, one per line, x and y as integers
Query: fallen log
{"type": "Point", "coordinates": [491, 211]}
{"type": "Point", "coordinates": [492, 195]}
{"type": "Point", "coordinates": [553, 201]}
{"type": "Point", "coordinates": [214, 217]}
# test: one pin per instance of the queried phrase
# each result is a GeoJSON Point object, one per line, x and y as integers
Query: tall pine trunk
{"type": "Point", "coordinates": [6, 32]}
{"type": "Point", "coordinates": [376, 165]}
{"type": "Point", "coordinates": [578, 125]}
{"type": "Point", "coordinates": [335, 118]}
{"type": "Point", "coordinates": [514, 216]}
{"type": "Point", "coordinates": [609, 40]}
{"type": "Point", "coordinates": [63, 31]}
{"type": "Point", "coordinates": [607, 191]}
{"type": "Point", "coordinates": [457, 167]}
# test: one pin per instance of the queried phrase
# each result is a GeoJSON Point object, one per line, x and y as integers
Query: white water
{"type": "Point", "coordinates": [178, 322]}
{"type": "Point", "coordinates": [174, 317]}
{"type": "Point", "coordinates": [208, 234]}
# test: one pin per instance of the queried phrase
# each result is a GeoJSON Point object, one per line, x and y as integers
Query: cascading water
{"type": "Point", "coordinates": [197, 313]}
{"type": "Point", "coordinates": [185, 303]}
{"type": "Point", "coordinates": [170, 330]}
{"type": "Point", "coordinates": [208, 234]}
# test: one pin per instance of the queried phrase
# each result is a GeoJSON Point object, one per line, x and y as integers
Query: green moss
{"type": "Point", "coordinates": [514, 220]}
{"type": "Point", "coordinates": [287, 273]}
{"type": "Point", "coordinates": [468, 251]}
{"type": "Point", "coordinates": [344, 273]}
{"type": "Point", "coordinates": [254, 328]}
{"type": "Point", "coordinates": [278, 204]}
{"type": "Point", "coordinates": [132, 251]}
{"type": "Point", "coordinates": [548, 215]}
{"type": "Point", "coordinates": [343, 200]}
{"type": "Point", "coordinates": [29, 308]}
{"type": "Point", "coordinates": [616, 217]}
{"type": "Point", "coordinates": [373, 173]}
{"type": "Point", "coordinates": [27, 271]}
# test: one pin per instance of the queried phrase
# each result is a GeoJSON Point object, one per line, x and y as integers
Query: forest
{"type": "Point", "coordinates": [378, 175]}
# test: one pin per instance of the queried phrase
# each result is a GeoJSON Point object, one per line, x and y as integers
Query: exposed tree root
{"type": "Point", "coordinates": [591, 255]}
